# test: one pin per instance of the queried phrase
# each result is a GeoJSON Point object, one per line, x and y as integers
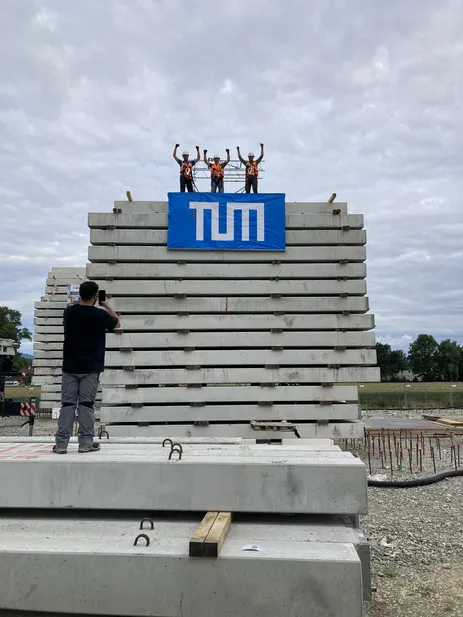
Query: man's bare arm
{"type": "Point", "coordinates": [174, 153]}
{"type": "Point", "coordinates": [261, 154]}
{"type": "Point", "coordinates": [228, 158]}
{"type": "Point", "coordinates": [205, 158]}
{"type": "Point", "coordinates": [239, 155]}
{"type": "Point", "coordinates": [198, 156]}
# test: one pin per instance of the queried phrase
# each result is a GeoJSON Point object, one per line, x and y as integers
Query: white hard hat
{"type": "Point", "coordinates": [185, 153]}
{"type": "Point", "coordinates": [216, 156]}
{"type": "Point", "coordinates": [251, 154]}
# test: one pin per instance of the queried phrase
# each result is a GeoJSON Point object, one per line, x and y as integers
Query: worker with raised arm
{"type": "Point", "coordinates": [217, 171]}
{"type": "Point", "coordinates": [186, 168]}
{"type": "Point", "coordinates": [252, 169]}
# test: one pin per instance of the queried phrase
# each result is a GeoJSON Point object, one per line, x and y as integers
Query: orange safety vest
{"type": "Point", "coordinates": [186, 169]}
{"type": "Point", "coordinates": [252, 169]}
{"type": "Point", "coordinates": [216, 171]}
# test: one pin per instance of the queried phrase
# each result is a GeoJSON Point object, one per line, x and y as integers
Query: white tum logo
{"type": "Point", "coordinates": [229, 234]}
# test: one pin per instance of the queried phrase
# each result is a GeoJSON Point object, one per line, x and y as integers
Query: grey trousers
{"type": "Point", "coordinates": [78, 391]}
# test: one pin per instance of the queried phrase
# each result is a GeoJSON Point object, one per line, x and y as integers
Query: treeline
{"type": "Point", "coordinates": [427, 359]}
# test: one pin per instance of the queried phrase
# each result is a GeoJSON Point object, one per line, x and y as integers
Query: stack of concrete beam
{"type": "Point", "coordinates": [246, 344]}
{"type": "Point", "coordinates": [49, 336]}
{"type": "Point", "coordinates": [315, 562]}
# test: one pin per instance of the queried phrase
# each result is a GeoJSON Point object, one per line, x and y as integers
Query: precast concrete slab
{"type": "Point", "coordinates": [306, 567]}
{"type": "Point", "coordinates": [309, 430]}
{"type": "Point", "coordinates": [159, 254]}
{"type": "Point", "coordinates": [159, 220]}
{"type": "Point", "coordinates": [141, 477]}
{"type": "Point", "coordinates": [224, 271]}
{"type": "Point", "coordinates": [209, 442]}
{"type": "Point", "coordinates": [291, 207]}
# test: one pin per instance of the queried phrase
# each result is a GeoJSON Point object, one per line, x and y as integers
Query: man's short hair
{"type": "Point", "coordinates": [88, 290]}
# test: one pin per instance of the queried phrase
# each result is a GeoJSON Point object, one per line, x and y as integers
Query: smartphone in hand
{"type": "Point", "coordinates": [101, 296]}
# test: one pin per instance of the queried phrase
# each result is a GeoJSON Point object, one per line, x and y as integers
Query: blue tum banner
{"type": "Point", "coordinates": [227, 221]}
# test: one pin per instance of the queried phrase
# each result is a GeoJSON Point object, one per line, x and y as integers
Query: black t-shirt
{"type": "Point", "coordinates": [85, 338]}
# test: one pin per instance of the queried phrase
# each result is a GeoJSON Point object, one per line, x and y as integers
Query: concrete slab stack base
{"type": "Point", "coordinates": [49, 336]}
{"type": "Point", "coordinates": [91, 567]}
{"type": "Point", "coordinates": [216, 343]}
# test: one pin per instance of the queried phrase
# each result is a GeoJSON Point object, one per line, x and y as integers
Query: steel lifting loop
{"type": "Point", "coordinates": [167, 440]}
{"type": "Point", "coordinates": [103, 433]}
{"type": "Point", "coordinates": [178, 452]}
{"type": "Point", "coordinates": [178, 446]}
{"type": "Point", "coordinates": [144, 536]}
{"type": "Point", "coordinates": [150, 521]}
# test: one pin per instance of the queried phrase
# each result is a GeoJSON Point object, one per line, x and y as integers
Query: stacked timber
{"type": "Point", "coordinates": [49, 336]}
{"type": "Point", "coordinates": [235, 343]}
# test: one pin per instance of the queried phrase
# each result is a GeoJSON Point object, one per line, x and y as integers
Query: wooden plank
{"type": "Point", "coordinates": [53, 328]}
{"type": "Point", "coordinates": [241, 305]}
{"type": "Point", "coordinates": [217, 535]}
{"type": "Point", "coordinates": [233, 271]}
{"type": "Point", "coordinates": [295, 375]}
{"type": "Point", "coordinates": [228, 412]}
{"type": "Point", "coordinates": [159, 254]}
{"type": "Point", "coordinates": [159, 221]}
{"type": "Point", "coordinates": [196, 546]}
{"type": "Point", "coordinates": [244, 287]}
{"type": "Point", "coordinates": [294, 237]}
{"type": "Point", "coordinates": [229, 395]}
{"type": "Point", "coordinates": [291, 207]}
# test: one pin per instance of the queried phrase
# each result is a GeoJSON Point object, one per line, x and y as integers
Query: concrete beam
{"type": "Point", "coordinates": [221, 413]}
{"type": "Point", "coordinates": [257, 375]}
{"type": "Point", "coordinates": [162, 580]}
{"type": "Point", "coordinates": [159, 221]}
{"type": "Point", "coordinates": [291, 304]}
{"type": "Point", "coordinates": [145, 478]}
{"type": "Point", "coordinates": [291, 207]}
{"type": "Point", "coordinates": [210, 288]}
{"type": "Point", "coordinates": [52, 328]}
{"type": "Point", "coordinates": [231, 271]}
{"type": "Point", "coordinates": [294, 237]}
{"type": "Point", "coordinates": [309, 430]}
{"type": "Point", "coordinates": [153, 254]}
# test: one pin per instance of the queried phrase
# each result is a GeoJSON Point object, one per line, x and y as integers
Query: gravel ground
{"type": "Point", "coordinates": [416, 535]}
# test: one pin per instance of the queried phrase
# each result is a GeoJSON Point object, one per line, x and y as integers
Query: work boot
{"type": "Point", "coordinates": [59, 450]}
{"type": "Point", "coordinates": [93, 447]}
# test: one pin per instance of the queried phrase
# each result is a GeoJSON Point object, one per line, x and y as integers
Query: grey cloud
{"type": "Point", "coordinates": [352, 96]}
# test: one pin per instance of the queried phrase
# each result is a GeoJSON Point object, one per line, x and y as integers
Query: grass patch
{"type": "Point", "coordinates": [22, 393]}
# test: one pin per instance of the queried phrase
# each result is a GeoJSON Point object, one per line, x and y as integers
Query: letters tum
{"type": "Point", "coordinates": [229, 234]}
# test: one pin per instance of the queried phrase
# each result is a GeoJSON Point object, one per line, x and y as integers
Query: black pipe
{"type": "Point", "coordinates": [417, 482]}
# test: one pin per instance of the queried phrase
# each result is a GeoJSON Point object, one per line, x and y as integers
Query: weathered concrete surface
{"type": "Point", "coordinates": [226, 271]}
{"type": "Point", "coordinates": [159, 254]}
{"type": "Point", "coordinates": [158, 220]}
{"type": "Point", "coordinates": [228, 413]}
{"type": "Point", "coordinates": [235, 375]}
{"type": "Point", "coordinates": [294, 237]}
{"type": "Point", "coordinates": [309, 430]}
{"type": "Point", "coordinates": [291, 207]}
{"type": "Point", "coordinates": [300, 570]}
{"type": "Point", "coordinates": [211, 288]}
{"type": "Point", "coordinates": [230, 394]}
{"type": "Point", "coordinates": [140, 477]}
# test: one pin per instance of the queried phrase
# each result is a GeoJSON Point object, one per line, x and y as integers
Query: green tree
{"type": "Point", "coordinates": [448, 360]}
{"type": "Point", "coordinates": [422, 357]}
{"type": "Point", "coordinates": [383, 360]}
{"type": "Point", "coordinates": [11, 328]}
{"type": "Point", "coordinates": [10, 325]}
{"type": "Point", "coordinates": [398, 363]}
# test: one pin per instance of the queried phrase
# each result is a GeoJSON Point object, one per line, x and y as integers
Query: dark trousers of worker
{"type": "Point", "coordinates": [78, 392]}
{"type": "Point", "coordinates": [186, 183]}
{"type": "Point", "coordinates": [216, 185]}
{"type": "Point", "coordinates": [251, 182]}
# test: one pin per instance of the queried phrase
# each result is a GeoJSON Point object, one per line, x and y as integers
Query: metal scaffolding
{"type": "Point", "coordinates": [235, 172]}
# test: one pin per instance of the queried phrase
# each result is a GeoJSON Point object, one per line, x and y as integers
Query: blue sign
{"type": "Point", "coordinates": [227, 221]}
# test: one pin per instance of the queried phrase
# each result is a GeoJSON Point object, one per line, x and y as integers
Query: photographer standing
{"type": "Point", "coordinates": [85, 328]}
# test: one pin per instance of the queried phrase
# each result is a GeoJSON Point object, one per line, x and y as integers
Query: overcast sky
{"type": "Point", "coordinates": [358, 97]}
